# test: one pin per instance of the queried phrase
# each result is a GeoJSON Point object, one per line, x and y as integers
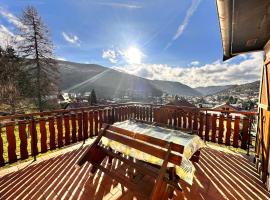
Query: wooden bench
{"type": "Point", "coordinates": [165, 178]}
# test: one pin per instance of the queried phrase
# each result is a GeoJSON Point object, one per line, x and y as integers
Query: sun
{"type": "Point", "coordinates": [133, 55]}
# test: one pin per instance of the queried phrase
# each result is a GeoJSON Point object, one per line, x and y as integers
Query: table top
{"type": "Point", "coordinates": [191, 143]}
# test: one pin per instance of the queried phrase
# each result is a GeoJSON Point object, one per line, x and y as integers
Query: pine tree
{"type": "Point", "coordinates": [12, 78]}
{"type": "Point", "coordinates": [37, 49]}
{"type": "Point", "coordinates": [92, 99]}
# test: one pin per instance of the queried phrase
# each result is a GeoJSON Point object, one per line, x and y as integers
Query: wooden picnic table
{"type": "Point", "coordinates": [159, 152]}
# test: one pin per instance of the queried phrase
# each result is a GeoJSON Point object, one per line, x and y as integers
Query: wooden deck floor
{"type": "Point", "coordinates": [219, 175]}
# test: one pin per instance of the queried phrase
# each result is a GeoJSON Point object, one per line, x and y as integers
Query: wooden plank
{"type": "Point", "coordinates": [143, 113]}
{"type": "Point", "coordinates": [228, 130]}
{"type": "Point", "coordinates": [100, 118]}
{"type": "Point", "coordinates": [220, 128]}
{"type": "Point", "coordinates": [33, 134]}
{"type": "Point", "coordinates": [116, 111]}
{"type": "Point", "coordinates": [201, 125]}
{"type": "Point", "coordinates": [126, 112]}
{"type": "Point", "coordinates": [137, 112]}
{"type": "Point", "coordinates": [11, 140]}
{"type": "Point", "coordinates": [159, 153]}
{"type": "Point", "coordinates": [190, 120]}
{"type": "Point", "coordinates": [184, 120]}
{"type": "Point", "coordinates": [120, 114]}
{"type": "Point", "coordinates": [245, 133]}
{"type": "Point", "coordinates": [160, 185]}
{"type": "Point", "coordinates": [195, 122]}
{"type": "Point", "coordinates": [151, 113]}
{"type": "Point", "coordinates": [52, 133]}
{"type": "Point", "coordinates": [147, 114]}
{"type": "Point", "coordinates": [59, 131]}
{"type": "Point", "coordinates": [179, 120]}
{"type": "Point", "coordinates": [236, 131]}
{"type": "Point", "coordinates": [67, 129]}
{"type": "Point", "coordinates": [91, 123]}
{"type": "Point", "coordinates": [214, 128]}
{"type": "Point", "coordinates": [2, 161]}
{"type": "Point", "coordinates": [110, 120]}
{"type": "Point", "coordinates": [74, 128]}
{"type": "Point", "coordinates": [85, 125]}
{"type": "Point", "coordinates": [146, 138]}
{"type": "Point", "coordinates": [43, 135]}
{"type": "Point", "coordinates": [105, 116]}
{"type": "Point", "coordinates": [207, 126]}
{"type": "Point", "coordinates": [23, 140]}
{"type": "Point", "coordinates": [80, 137]}
{"type": "Point", "coordinates": [96, 122]}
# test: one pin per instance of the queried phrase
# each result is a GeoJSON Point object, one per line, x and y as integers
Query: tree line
{"type": "Point", "coordinates": [27, 68]}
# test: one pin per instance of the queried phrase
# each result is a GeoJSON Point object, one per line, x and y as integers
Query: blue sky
{"type": "Point", "coordinates": [158, 39]}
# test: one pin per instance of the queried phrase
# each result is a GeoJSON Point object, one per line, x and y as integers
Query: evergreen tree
{"type": "Point", "coordinates": [37, 49]}
{"type": "Point", "coordinates": [13, 78]}
{"type": "Point", "coordinates": [92, 99]}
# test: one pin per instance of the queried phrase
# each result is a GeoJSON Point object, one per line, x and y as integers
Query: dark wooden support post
{"type": "Point", "coordinates": [43, 135]}
{"type": "Point", "coordinates": [207, 126]}
{"type": "Point", "coordinates": [228, 132]}
{"type": "Point", "coordinates": [91, 124]}
{"type": "Point", "coordinates": [245, 133]}
{"type": "Point", "coordinates": [201, 125]}
{"type": "Point", "coordinates": [2, 161]}
{"type": "Point", "coordinates": [195, 122]}
{"type": "Point", "coordinates": [52, 133]}
{"type": "Point", "coordinates": [85, 125]}
{"type": "Point", "coordinates": [74, 128]}
{"type": "Point", "coordinates": [100, 118]}
{"type": "Point", "coordinates": [59, 131]}
{"type": "Point", "coordinates": [214, 128]}
{"type": "Point", "coordinates": [80, 137]}
{"type": "Point", "coordinates": [23, 139]}
{"type": "Point", "coordinates": [236, 131]}
{"type": "Point", "coordinates": [96, 122]}
{"type": "Point", "coordinates": [67, 129]}
{"type": "Point", "coordinates": [12, 157]}
{"type": "Point", "coordinates": [220, 128]}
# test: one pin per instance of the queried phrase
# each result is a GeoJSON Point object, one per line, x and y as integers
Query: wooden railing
{"type": "Point", "coordinates": [22, 136]}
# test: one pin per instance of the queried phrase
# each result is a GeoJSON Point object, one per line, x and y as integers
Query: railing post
{"type": "Point", "coordinates": [33, 138]}
{"type": "Point", "coordinates": [23, 139]}
{"type": "Point", "coordinates": [52, 133]}
{"type": "Point", "coordinates": [59, 131]}
{"type": "Point", "coordinates": [2, 161]}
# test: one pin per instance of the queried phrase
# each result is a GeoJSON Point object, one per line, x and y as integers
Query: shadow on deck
{"type": "Point", "coordinates": [219, 175]}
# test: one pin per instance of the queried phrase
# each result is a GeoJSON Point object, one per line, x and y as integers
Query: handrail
{"type": "Point", "coordinates": [43, 131]}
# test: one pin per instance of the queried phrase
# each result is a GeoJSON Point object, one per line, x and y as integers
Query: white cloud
{"type": "Point", "coordinates": [216, 73]}
{"type": "Point", "coordinates": [131, 55]}
{"type": "Point", "coordinates": [111, 55]}
{"type": "Point", "coordinates": [183, 25]}
{"type": "Point", "coordinates": [121, 5]}
{"type": "Point", "coordinates": [6, 36]}
{"type": "Point", "coordinates": [61, 58]}
{"type": "Point", "coordinates": [73, 39]}
{"type": "Point", "coordinates": [194, 63]}
{"type": "Point", "coordinates": [11, 18]}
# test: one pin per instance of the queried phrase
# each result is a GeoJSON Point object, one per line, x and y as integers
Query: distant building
{"type": "Point", "coordinates": [76, 105]}
{"type": "Point", "coordinates": [226, 107]}
{"type": "Point", "coordinates": [184, 104]}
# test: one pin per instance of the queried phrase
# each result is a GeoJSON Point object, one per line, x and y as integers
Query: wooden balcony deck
{"type": "Point", "coordinates": [220, 174]}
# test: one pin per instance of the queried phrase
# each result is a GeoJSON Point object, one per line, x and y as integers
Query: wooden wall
{"type": "Point", "coordinates": [262, 148]}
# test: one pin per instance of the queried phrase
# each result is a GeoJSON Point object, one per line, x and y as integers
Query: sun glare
{"type": "Point", "coordinates": [133, 55]}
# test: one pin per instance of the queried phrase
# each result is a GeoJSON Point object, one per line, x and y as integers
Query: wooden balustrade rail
{"type": "Point", "coordinates": [27, 135]}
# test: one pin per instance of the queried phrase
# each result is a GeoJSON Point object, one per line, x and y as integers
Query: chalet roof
{"type": "Point", "coordinates": [226, 105]}
{"type": "Point", "coordinates": [182, 103]}
{"type": "Point", "coordinates": [244, 25]}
